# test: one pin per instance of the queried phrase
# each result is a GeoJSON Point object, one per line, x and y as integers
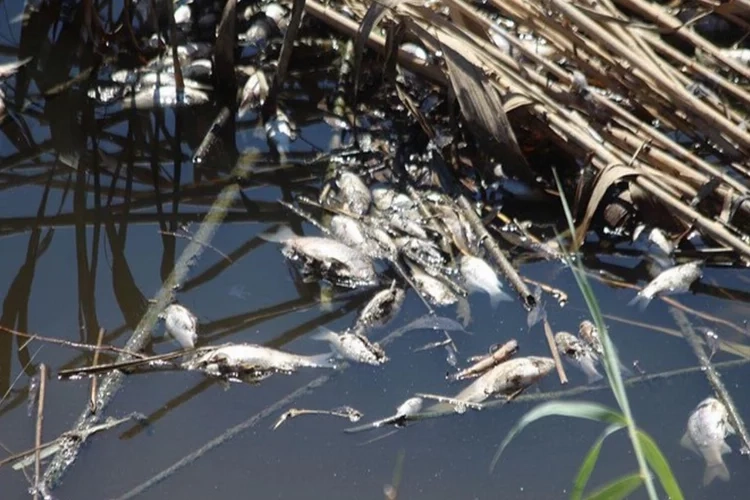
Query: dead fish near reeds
{"type": "Point", "coordinates": [387, 199]}
{"type": "Point", "coordinates": [353, 346]}
{"type": "Point", "coordinates": [507, 378]}
{"type": "Point", "coordinates": [252, 362]}
{"type": "Point", "coordinates": [423, 252]}
{"type": "Point", "coordinates": [483, 363]}
{"type": "Point", "coordinates": [326, 258]}
{"type": "Point", "coordinates": [707, 427]}
{"type": "Point", "coordinates": [255, 90]}
{"type": "Point", "coordinates": [181, 325]}
{"type": "Point", "coordinates": [437, 292]}
{"type": "Point", "coordinates": [353, 233]}
{"type": "Point", "coordinates": [674, 280]}
{"type": "Point", "coordinates": [589, 334]}
{"type": "Point", "coordinates": [382, 307]}
{"type": "Point", "coordinates": [480, 277]}
{"type": "Point", "coordinates": [165, 96]}
{"type": "Point", "coordinates": [406, 410]}
{"type": "Point", "coordinates": [354, 194]}
{"type": "Point", "coordinates": [579, 355]}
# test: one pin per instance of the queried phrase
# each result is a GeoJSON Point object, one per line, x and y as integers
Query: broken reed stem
{"type": "Point", "coordinates": [39, 420]}
{"type": "Point", "coordinates": [693, 339]}
{"type": "Point", "coordinates": [21, 454]}
{"type": "Point", "coordinates": [94, 362]}
{"type": "Point", "coordinates": [497, 255]}
{"type": "Point", "coordinates": [67, 343]}
{"type": "Point", "coordinates": [189, 237]}
{"type": "Point", "coordinates": [112, 382]}
{"type": "Point", "coordinates": [555, 354]}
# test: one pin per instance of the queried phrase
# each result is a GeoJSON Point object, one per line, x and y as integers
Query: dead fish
{"type": "Point", "coordinates": [405, 223]}
{"type": "Point", "coordinates": [388, 199]}
{"type": "Point", "coordinates": [350, 231]}
{"type": "Point", "coordinates": [353, 346]}
{"type": "Point", "coordinates": [354, 193]}
{"type": "Point", "coordinates": [280, 132]}
{"type": "Point", "coordinates": [165, 96]}
{"type": "Point", "coordinates": [433, 289]}
{"type": "Point", "coordinates": [589, 334]}
{"type": "Point", "coordinates": [579, 355]}
{"type": "Point", "coordinates": [254, 92]}
{"type": "Point", "coordinates": [181, 325]}
{"type": "Point", "coordinates": [382, 307]}
{"type": "Point", "coordinates": [237, 359]}
{"type": "Point", "coordinates": [423, 252]}
{"type": "Point", "coordinates": [7, 69]}
{"type": "Point", "coordinates": [407, 409]}
{"type": "Point", "coordinates": [507, 378]}
{"type": "Point", "coordinates": [480, 277]}
{"type": "Point", "coordinates": [539, 311]}
{"type": "Point", "coordinates": [707, 427]}
{"type": "Point", "coordinates": [484, 363]}
{"type": "Point", "coordinates": [334, 261]}
{"type": "Point", "coordinates": [674, 280]}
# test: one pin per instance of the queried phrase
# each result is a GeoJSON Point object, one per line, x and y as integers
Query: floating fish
{"type": "Point", "coordinates": [350, 231]}
{"type": "Point", "coordinates": [407, 409]}
{"type": "Point", "coordinates": [674, 280]}
{"type": "Point", "coordinates": [354, 193]}
{"type": "Point", "coordinates": [254, 92]}
{"type": "Point", "coordinates": [589, 334]}
{"type": "Point", "coordinates": [579, 354]}
{"type": "Point", "coordinates": [251, 362]}
{"type": "Point", "coordinates": [165, 96]}
{"type": "Point", "coordinates": [539, 311]}
{"type": "Point", "coordinates": [707, 427]}
{"type": "Point", "coordinates": [422, 252]}
{"type": "Point", "coordinates": [382, 307]}
{"type": "Point", "coordinates": [507, 378]}
{"type": "Point", "coordinates": [353, 346]}
{"type": "Point", "coordinates": [388, 199]}
{"type": "Point", "coordinates": [434, 290]}
{"type": "Point", "coordinates": [328, 258]}
{"type": "Point", "coordinates": [181, 325]}
{"type": "Point", "coordinates": [480, 277]}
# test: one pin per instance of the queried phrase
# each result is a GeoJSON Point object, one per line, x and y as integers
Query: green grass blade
{"type": "Point", "coordinates": [660, 466]}
{"type": "Point", "coordinates": [619, 489]}
{"type": "Point", "coordinates": [587, 467]}
{"type": "Point", "coordinates": [577, 409]}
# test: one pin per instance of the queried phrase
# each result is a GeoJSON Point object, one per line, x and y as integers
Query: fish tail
{"type": "Point", "coordinates": [641, 301]}
{"type": "Point", "coordinates": [497, 296]}
{"type": "Point", "coordinates": [324, 334]}
{"type": "Point", "coordinates": [280, 235]}
{"type": "Point", "coordinates": [593, 376]}
{"type": "Point", "coordinates": [715, 470]}
{"type": "Point", "coordinates": [324, 360]}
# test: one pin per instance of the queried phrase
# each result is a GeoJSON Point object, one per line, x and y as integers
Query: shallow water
{"type": "Point", "coordinates": [51, 289]}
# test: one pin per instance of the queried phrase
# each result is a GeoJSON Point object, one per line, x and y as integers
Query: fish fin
{"type": "Point", "coordinates": [730, 429]}
{"type": "Point", "coordinates": [498, 296]}
{"type": "Point", "coordinates": [282, 234]}
{"type": "Point", "coordinates": [686, 442]}
{"type": "Point", "coordinates": [625, 371]}
{"type": "Point", "coordinates": [641, 301]}
{"type": "Point", "coordinates": [324, 334]}
{"type": "Point", "coordinates": [713, 471]}
{"type": "Point", "coordinates": [593, 376]}
{"type": "Point", "coordinates": [463, 311]}
{"type": "Point", "coordinates": [724, 449]}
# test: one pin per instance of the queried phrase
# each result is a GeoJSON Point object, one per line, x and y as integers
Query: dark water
{"type": "Point", "coordinates": [55, 221]}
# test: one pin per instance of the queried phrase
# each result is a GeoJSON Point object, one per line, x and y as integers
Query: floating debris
{"type": "Point", "coordinates": [483, 363]}
{"type": "Point", "coordinates": [707, 427]}
{"type": "Point", "coordinates": [674, 280]}
{"type": "Point", "coordinates": [181, 325]}
{"type": "Point", "coordinates": [342, 411]}
{"type": "Point", "coordinates": [404, 412]}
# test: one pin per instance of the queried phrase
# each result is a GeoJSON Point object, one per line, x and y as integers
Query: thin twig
{"type": "Point", "coordinates": [67, 343]}
{"type": "Point", "coordinates": [553, 350]}
{"type": "Point", "coordinates": [39, 420]}
{"type": "Point", "coordinates": [190, 238]}
{"type": "Point", "coordinates": [94, 362]}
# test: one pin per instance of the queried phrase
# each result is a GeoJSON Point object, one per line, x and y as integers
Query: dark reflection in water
{"type": "Point", "coordinates": [93, 201]}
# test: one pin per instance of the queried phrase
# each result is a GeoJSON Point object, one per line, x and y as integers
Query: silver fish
{"type": "Point", "coordinates": [388, 199]}
{"type": "Point", "coordinates": [707, 427]}
{"type": "Point", "coordinates": [579, 355]}
{"type": "Point", "coordinates": [241, 359]}
{"type": "Point", "coordinates": [165, 96]}
{"type": "Point", "coordinates": [334, 261]}
{"type": "Point", "coordinates": [589, 333]}
{"type": "Point", "coordinates": [351, 232]}
{"type": "Point", "coordinates": [254, 92]}
{"type": "Point", "coordinates": [382, 307]}
{"type": "Point", "coordinates": [423, 252]}
{"type": "Point", "coordinates": [433, 289]}
{"type": "Point", "coordinates": [181, 325]}
{"type": "Point", "coordinates": [407, 409]}
{"type": "Point", "coordinates": [354, 193]}
{"type": "Point", "coordinates": [480, 277]}
{"type": "Point", "coordinates": [353, 347]}
{"type": "Point", "coordinates": [674, 280]}
{"type": "Point", "coordinates": [506, 378]}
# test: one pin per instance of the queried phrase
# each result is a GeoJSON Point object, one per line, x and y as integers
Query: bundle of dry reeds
{"type": "Point", "coordinates": [605, 80]}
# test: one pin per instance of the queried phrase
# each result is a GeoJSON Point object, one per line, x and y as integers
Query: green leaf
{"type": "Point", "coordinates": [618, 489]}
{"type": "Point", "coordinates": [577, 409]}
{"type": "Point", "coordinates": [660, 466]}
{"type": "Point", "coordinates": [587, 467]}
